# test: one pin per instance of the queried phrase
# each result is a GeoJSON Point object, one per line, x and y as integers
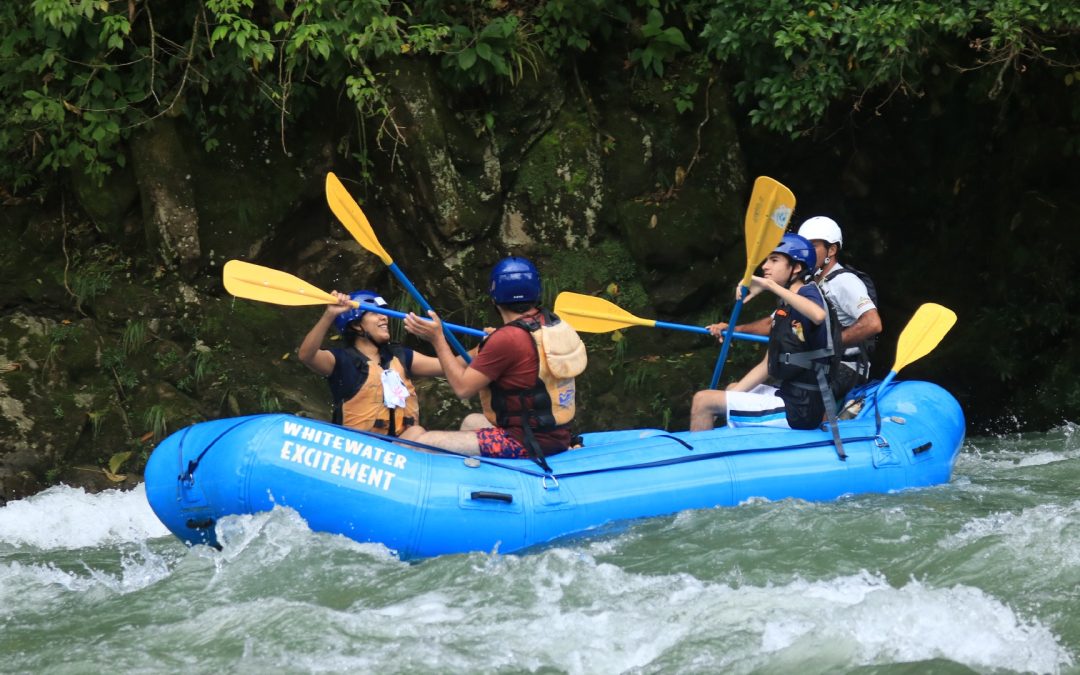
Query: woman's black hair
{"type": "Point", "coordinates": [353, 331]}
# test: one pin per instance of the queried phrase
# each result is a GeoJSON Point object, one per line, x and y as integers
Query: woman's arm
{"type": "Point", "coordinates": [321, 360]}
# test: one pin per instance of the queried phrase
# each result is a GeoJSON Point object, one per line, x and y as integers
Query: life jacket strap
{"type": "Point", "coordinates": [406, 422]}
{"type": "Point", "coordinates": [830, 413]}
{"type": "Point", "coordinates": [531, 444]}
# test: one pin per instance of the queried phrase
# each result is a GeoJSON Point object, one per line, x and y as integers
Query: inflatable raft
{"type": "Point", "coordinates": [421, 504]}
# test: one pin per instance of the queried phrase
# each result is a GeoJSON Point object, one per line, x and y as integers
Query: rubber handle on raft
{"type": "Point", "coordinates": [495, 496]}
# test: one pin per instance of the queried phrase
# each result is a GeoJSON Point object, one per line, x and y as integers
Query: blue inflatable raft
{"type": "Point", "coordinates": [420, 504]}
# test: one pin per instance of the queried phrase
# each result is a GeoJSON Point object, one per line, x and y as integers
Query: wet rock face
{"type": "Point", "coordinates": [170, 215]}
{"type": "Point", "coordinates": [123, 332]}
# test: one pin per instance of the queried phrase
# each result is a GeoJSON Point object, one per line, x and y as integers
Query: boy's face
{"type": "Point", "coordinates": [777, 267]}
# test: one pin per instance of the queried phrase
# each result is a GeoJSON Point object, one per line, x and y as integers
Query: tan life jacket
{"type": "Point", "coordinates": [366, 410]}
{"type": "Point", "coordinates": [551, 399]}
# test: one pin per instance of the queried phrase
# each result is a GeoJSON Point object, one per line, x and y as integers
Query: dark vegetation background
{"type": "Point", "coordinates": [613, 141]}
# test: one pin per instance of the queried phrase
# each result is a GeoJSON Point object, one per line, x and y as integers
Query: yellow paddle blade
{"type": "Point", "coordinates": [922, 333]}
{"type": "Point", "coordinates": [348, 212]}
{"type": "Point", "coordinates": [589, 314]}
{"type": "Point", "coordinates": [767, 216]}
{"type": "Point", "coordinates": [255, 282]}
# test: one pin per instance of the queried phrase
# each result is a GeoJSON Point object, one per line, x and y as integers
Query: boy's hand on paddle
{"type": "Point", "coordinates": [757, 285]}
{"type": "Point", "coordinates": [717, 330]}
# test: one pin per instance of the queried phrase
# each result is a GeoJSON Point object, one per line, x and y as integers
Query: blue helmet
{"type": "Point", "coordinates": [513, 280]}
{"type": "Point", "coordinates": [342, 321]}
{"type": "Point", "coordinates": [798, 249]}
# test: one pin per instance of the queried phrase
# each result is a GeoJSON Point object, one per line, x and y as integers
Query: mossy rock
{"type": "Point", "coordinates": [248, 185]}
{"type": "Point", "coordinates": [108, 200]}
{"type": "Point", "coordinates": [672, 232]}
{"type": "Point", "coordinates": [607, 268]}
{"type": "Point", "coordinates": [558, 196]}
{"type": "Point", "coordinates": [447, 169]}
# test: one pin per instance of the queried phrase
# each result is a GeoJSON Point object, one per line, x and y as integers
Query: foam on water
{"type": "Point", "coordinates": [564, 610]}
{"type": "Point", "coordinates": [280, 594]}
{"type": "Point", "coordinates": [650, 598]}
{"type": "Point", "coordinates": [1046, 536]}
{"type": "Point", "coordinates": [41, 586]}
{"type": "Point", "coordinates": [1026, 450]}
{"type": "Point", "coordinates": [63, 517]}
{"type": "Point", "coordinates": [871, 622]}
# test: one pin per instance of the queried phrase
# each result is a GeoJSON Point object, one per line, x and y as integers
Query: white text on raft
{"type": "Point", "coordinates": [315, 456]}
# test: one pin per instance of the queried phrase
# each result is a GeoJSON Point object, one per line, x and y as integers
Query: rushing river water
{"type": "Point", "coordinates": [980, 575]}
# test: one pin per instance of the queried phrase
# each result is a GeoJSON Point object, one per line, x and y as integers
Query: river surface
{"type": "Point", "coordinates": [980, 575]}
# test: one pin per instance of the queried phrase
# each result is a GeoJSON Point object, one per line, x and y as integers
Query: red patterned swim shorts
{"type": "Point", "coordinates": [496, 442]}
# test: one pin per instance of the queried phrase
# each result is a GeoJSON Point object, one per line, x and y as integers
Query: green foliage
{"type": "Point", "coordinates": [203, 359]}
{"type": "Point", "coordinates": [572, 24]}
{"type": "Point", "coordinates": [798, 57]}
{"type": "Point", "coordinates": [268, 400]}
{"type": "Point", "coordinates": [96, 419]}
{"type": "Point", "coordinates": [81, 76]}
{"type": "Point", "coordinates": [502, 48]}
{"type": "Point", "coordinates": [154, 420]}
{"type": "Point", "coordinates": [660, 44]}
{"type": "Point", "coordinates": [200, 365]}
{"type": "Point", "coordinates": [93, 271]}
{"type": "Point", "coordinates": [134, 336]}
{"type": "Point", "coordinates": [168, 359]}
{"type": "Point", "coordinates": [115, 360]}
{"type": "Point", "coordinates": [63, 333]}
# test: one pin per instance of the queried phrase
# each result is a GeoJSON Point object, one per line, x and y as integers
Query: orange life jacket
{"type": "Point", "coordinates": [366, 410]}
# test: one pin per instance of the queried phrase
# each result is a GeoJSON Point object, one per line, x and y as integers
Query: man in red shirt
{"type": "Point", "coordinates": [524, 373]}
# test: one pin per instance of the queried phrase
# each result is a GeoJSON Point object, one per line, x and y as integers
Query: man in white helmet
{"type": "Point", "coordinates": [854, 299]}
{"type": "Point", "coordinates": [848, 293]}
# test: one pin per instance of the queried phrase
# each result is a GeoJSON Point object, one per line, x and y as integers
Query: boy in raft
{"type": "Point", "coordinates": [370, 377]}
{"type": "Point", "coordinates": [524, 373]}
{"type": "Point", "coordinates": [798, 326]}
{"type": "Point", "coordinates": [850, 292]}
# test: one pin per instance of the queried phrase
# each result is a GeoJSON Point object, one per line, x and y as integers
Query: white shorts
{"type": "Point", "coordinates": [759, 407]}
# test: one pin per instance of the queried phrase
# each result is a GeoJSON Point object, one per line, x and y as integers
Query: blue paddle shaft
{"type": "Point", "coordinates": [368, 307]}
{"type": "Point", "coordinates": [705, 331]}
{"type": "Point", "coordinates": [396, 271]}
{"type": "Point", "coordinates": [887, 381]}
{"type": "Point", "coordinates": [727, 338]}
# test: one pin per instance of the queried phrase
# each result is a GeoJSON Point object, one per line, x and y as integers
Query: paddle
{"type": "Point", "coordinates": [771, 205]}
{"type": "Point", "coordinates": [255, 282]}
{"type": "Point", "coordinates": [352, 217]}
{"type": "Point", "coordinates": [922, 333]}
{"type": "Point", "coordinates": [590, 314]}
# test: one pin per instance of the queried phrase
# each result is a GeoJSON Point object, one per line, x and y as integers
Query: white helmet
{"type": "Point", "coordinates": [823, 228]}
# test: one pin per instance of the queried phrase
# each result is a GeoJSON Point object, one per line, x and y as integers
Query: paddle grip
{"type": "Point", "coordinates": [396, 271]}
